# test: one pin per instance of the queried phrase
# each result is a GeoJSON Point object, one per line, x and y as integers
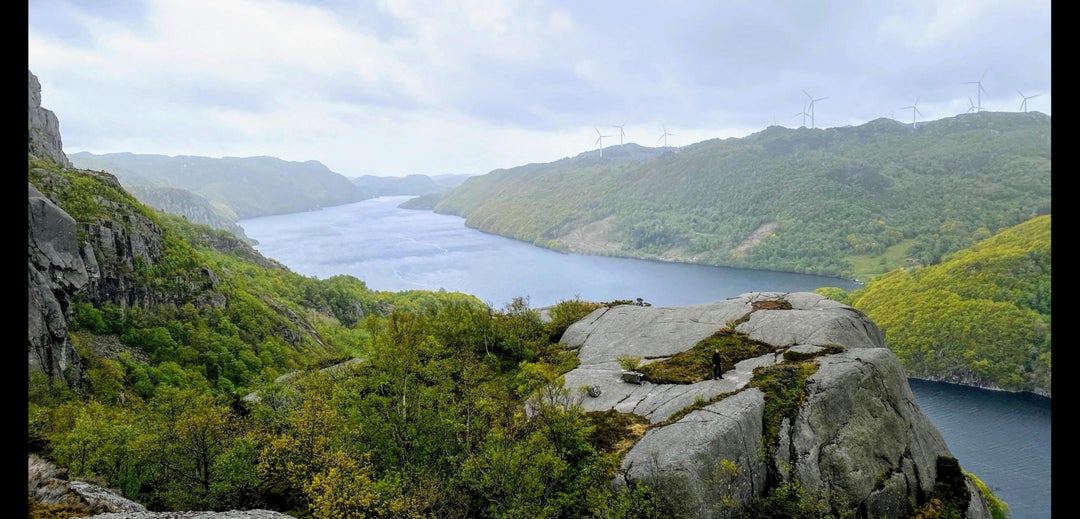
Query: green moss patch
{"type": "Point", "coordinates": [614, 431]}
{"type": "Point", "coordinates": [695, 364]}
{"type": "Point", "coordinates": [784, 386]}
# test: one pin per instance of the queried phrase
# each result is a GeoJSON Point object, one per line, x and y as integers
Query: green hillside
{"type": "Point", "coordinates": [980, 317]}
{"type": "Point", "coordinates": [851, 201]}
{"type": "Point", "coordinates": [181, 404]}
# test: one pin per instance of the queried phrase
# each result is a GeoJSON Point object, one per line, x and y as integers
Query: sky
{"type": "Point", "coordinates": [398, 87]}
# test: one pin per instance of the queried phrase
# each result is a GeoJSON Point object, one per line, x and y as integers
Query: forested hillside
{"type": "Point", "coordinates": [429, 423]}
{"type": "Point", "coordinates": [851, 201]}
{"type": "Point", "coordinates": [981, 317]}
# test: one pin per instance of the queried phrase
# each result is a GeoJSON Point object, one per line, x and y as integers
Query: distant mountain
{"type": "Point", "coordinates": [854, 201]}
{"type": "Point", "coordinates": [451, 180]}
{"type": "Point", "coordinates": [408, 185]}
{"type": "Point", "coordinates": [249, 187]}
{"type": "Point", "coordinates": [194, 207]}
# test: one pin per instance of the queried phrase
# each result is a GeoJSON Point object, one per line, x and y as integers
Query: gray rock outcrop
{"type": "Point", "coordinates": [48, 485]}
{"type": "Point", "coordinates": [55, 270]}
{"type": "Point", "coordinates": [44, 128]}
{"type": "Point", "coordinates": [859, 437]}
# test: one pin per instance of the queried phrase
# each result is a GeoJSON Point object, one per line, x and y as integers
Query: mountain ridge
{"type": "Point", "coordinates": [838, 199]}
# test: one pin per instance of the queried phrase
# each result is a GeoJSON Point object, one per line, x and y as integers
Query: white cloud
{"type": "Point", "coordinates": [408, 86]}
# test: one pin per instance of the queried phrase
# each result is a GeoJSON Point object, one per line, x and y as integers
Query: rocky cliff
{"type": "Point", "coordinates": [851, 435]}
{"type": "Point", "coordinates": [55, 270]}
{"type": "Point", "coordinates": [44, 128]}
{"type": "Point", "coordinates": [89, 240]}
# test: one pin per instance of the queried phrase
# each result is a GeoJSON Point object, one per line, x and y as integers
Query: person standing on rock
{"type": "Point", "coordinates": [717, 371]}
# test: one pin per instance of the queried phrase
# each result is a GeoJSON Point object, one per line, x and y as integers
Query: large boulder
{"type": "Point", "coordinates": [859, 436]}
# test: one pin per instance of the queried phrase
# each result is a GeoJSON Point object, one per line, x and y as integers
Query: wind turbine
{"type": "Point", "coordinates": [812, 101]}
{"type": "Point", "coordinates": [621, 132]}
{"type": "Point", "coordinates": [600, 141]}
{"type": "Point", "coordinates": [665, 136]}
{"type": "Point", "coordinates": [978, 91]}
{"type": "Point", "coordinates": [914, 110]}
{"type": "Point", "coordinates": [803, 114]}
{"type": "Point", "coordinates": [1023, 105]}
{"type": "Point", "coordinates": [972, 109]}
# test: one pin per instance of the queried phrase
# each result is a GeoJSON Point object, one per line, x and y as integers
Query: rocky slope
{"type": "Point", "coordinates": [55, 270]}
{"type": "Point", "coordinates": [858, 436]}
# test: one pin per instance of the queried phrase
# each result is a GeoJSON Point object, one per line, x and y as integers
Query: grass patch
{"type": "Point", "coordinates": [614, 431]}
{"type": "Point", "coordinates": [628, 362]}
{"type": "Point", "coordinates": [771, 304]}
{"type": "Point", "coordinates": [695, 364]}
{"type": "Point", "coordinates": [867, 267]}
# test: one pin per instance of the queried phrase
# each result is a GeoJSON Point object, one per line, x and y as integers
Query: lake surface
{"type": "Point", "coordinates": [398, 249]}
{"type": "Point", "coordinates": [1002, 438]}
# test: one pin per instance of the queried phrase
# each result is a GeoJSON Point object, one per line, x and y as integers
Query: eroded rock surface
{"type": "Point", "coordinates": [859, 436]}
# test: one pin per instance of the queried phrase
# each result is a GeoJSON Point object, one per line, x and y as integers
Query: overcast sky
{"type": "Point", "coordinates": [394, 87]}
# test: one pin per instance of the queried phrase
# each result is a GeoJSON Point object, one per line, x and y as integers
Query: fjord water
{"type": "Point", "coordinates": [398, 249]}
{"type": "Point", "coordinates": [1002, 438]}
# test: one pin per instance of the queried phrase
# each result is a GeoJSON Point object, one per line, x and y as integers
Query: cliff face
{"type": "Point", "coordinates": [55, 270]}
{"type": "Point", "coordinates": [101, 257]}
{"type": "Point", "coordinates": [44, 128]}
{"type": "Point", "coordinates": [858, 436]}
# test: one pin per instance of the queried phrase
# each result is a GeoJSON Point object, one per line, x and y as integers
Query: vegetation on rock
{"type": "Point", "coordinates": [695, 364]}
